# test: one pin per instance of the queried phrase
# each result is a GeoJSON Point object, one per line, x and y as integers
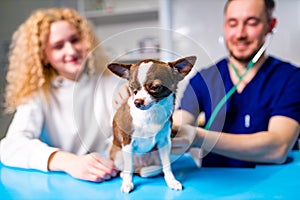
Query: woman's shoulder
{"type": "Point", "coordinates": [34, 104]}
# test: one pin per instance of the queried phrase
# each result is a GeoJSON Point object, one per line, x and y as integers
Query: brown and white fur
{"type": "Point", "coordinates": [144, 122]}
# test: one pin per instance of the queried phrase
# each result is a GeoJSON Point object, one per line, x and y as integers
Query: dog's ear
{"type": "Point", "coordinates": [119, 69]}
{"type": "Point", "coordinates": [184, 65]}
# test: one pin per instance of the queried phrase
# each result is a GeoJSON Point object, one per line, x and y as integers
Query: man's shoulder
{"type": "Point", "coordinates": [282, 64]}
{"type": "Point", "coordinates": [218, 69]}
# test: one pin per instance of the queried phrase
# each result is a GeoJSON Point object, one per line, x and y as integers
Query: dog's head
{"type": "Point", "coordinates": [152, 80]}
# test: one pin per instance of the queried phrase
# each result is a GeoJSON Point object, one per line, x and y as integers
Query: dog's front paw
{"type": "Point", "coordinates": [127, 187]}
{"type": "Point", "coordinates": [174, 184]}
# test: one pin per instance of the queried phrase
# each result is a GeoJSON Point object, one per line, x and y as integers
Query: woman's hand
{"type": "Point", "coordinates": [121, 96]}
{"type": "Point", "coordinates": [91, 167]}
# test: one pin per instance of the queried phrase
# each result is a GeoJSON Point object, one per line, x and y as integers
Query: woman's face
{"type": "Point", "coordinates": [245, 28]}
{"type": "Point", "coordinates": [65, 50]}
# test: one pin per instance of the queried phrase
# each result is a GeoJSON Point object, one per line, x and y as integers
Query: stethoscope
{"type": "Point", "coordinates": [254, 60]}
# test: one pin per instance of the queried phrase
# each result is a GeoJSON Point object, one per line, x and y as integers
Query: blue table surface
{"type": "Point", "coordinates": [262, 182]}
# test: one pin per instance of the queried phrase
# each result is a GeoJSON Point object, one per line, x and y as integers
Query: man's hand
{"type": "Point", "coordinates": [184, 138]}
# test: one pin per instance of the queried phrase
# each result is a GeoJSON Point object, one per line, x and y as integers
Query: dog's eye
{"type": "Point", "coordinates": [155, 88]}
{"type": "Point", "coordinates": [132, 89]}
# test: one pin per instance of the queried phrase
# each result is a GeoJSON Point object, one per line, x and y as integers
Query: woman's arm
{"type": "Point", "coordinates": [21, 147]}
{"type": "Point", "coordinates": [90, 167]}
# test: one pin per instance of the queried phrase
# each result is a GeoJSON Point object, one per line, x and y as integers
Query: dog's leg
{"type": "Point", "coordinates": [164, 153]}
{"type": "Point", "coordinates": [127, 184]}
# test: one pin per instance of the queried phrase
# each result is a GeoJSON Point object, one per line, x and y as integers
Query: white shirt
{"type": "Point", "coordinates": [77, 118]}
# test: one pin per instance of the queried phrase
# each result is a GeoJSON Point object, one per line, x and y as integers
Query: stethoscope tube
{"type": "Point", "coordinates": [234, 88]}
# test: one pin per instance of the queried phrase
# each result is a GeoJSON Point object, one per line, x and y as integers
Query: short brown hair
{"type": "Point", "coordinates": [269, 7]}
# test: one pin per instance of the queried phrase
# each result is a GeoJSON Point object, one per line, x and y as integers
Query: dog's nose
{"type": "Point", "coordinates": [139, 103]}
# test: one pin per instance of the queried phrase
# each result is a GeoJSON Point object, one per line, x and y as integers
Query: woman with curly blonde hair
{"type": "Point", "coordinates": [61, 93]}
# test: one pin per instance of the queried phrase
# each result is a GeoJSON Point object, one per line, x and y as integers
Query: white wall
{"type": "Point", "coordinates": [286, 43]}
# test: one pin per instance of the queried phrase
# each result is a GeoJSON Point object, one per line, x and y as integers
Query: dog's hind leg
{"type": "Point", "coordinates": [149, 171]}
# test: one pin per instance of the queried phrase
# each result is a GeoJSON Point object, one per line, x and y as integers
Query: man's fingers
{"type": "Point", "coordinates": [183, 139]}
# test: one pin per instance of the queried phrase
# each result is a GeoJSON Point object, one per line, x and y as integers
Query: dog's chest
{"type": "Point", "coordinates": [153, 119]}
{"type": "Point", "coordinates": [149, 125]}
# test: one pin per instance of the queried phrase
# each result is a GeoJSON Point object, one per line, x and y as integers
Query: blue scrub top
{"type": "Point", "coordinates": [275, 90]}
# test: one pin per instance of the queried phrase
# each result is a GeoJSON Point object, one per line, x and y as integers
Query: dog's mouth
{"type": "Point", "coordinates": [141, 104]}
{"type": "Point", "coordinates": [143, 107]}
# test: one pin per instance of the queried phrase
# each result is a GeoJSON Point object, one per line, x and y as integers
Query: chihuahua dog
{"type": "Point", "coordinates": [144, 122]}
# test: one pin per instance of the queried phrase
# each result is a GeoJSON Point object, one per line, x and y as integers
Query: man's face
{"type": "Point", "coordinates": [245, 28]}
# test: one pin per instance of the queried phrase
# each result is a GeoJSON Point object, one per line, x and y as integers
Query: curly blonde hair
{"type": "Point", "coordinates": [28, 70]}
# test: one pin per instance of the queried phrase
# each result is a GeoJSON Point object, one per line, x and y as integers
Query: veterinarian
{"type": "Point", "coordinates": [259, 121]}
{"type": "Point", "coordinates": [60, 95]}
